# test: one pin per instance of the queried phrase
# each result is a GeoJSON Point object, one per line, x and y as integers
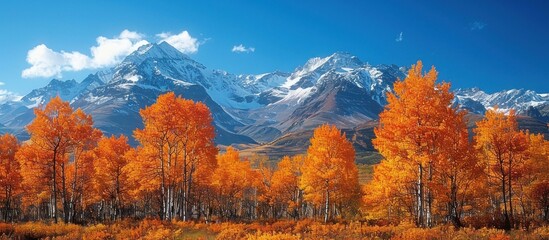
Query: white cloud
{"type": "Point", "coordinates": [399, 37]}
{"type": "Point", "coordinates": [131, 35]}
{"type": "Point", "coordinates": [46, 62]}
{"type": "Point", "coordinates": [2, 83]}
{"type": "Point", "coordinates": [6, 96]}
{"type": "Point", "coordinates": [242, 49]}
{"type": "Point", "coordinates": [110, 51]}
{"type": "Point", "coordinates": [477, 26]}
{"type": "Point", "coordinates": [182, 41]}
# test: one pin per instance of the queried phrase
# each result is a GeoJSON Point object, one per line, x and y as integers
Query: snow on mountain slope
{"type": "Point", "coordinates": [338, 89]}
{"type": "Point", "coordinates": [314, 67]}
{"type": "Point", "coordinates": [377, 80]}
{"type": "Point", "coordinates": [134, 84]}
{"type": "Point", "coordinates": [518, 99]}
{"type": "Point", "coordinates": [147, 73]}
{"type": "Point", "coordinates": [115, 106]}
{"type": "Point", "coordinates": [66, 90]}
{"type": "Point", "coordinates": [263, 82]}
{"type": "Point", "coordinates": [164, 60]}
{"type": "Point", "coordinates": [15, 115]}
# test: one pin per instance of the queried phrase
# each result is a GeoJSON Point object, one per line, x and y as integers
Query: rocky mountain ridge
{"type": "Point", "coordinates": [247, 109]}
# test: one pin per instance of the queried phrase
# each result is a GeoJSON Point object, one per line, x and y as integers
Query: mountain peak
{"type": "Point", "coordinates": [55, 82]}
{"type": "Point", "coordinates": [345, 58]}
{"type": "Point", "coordinates": [162, 50]}
{"type": "Point", "coordinates": [467, 91]}
{"type": "Point", "coordinates": [337, 60]}
{"type": "Point", "coordinates": [342, 55]}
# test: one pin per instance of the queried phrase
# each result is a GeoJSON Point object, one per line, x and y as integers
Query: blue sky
{"type": "Point", "coordinates": [493, 45]}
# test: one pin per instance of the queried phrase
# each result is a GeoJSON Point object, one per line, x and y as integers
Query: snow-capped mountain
{"type": "Point", "coordinates": [154, 60]}
{"type": "Point", "coordinates": [67, 90]}
{"type": "Point", "coordinates": [338, 89]}
{"type": "Point", "coordinates": [376, 80]}
{"type": "Point", "coordinates": [476, 100]}
{"type": "Point", "coordinates": [134, 84]}
{"type": "Point", "coordinates": [150, 71]}
{"type": "Point", "coordinates": [15, 115]}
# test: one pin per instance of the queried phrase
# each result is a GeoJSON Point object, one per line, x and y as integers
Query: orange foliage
{"type": "Point", "coordinates": [305, 229]}
{"type": "Point", "coordinates": [330, 175]}
{"type": "Point", "coordinates": [431, 175]}
{"type": "Point", "coordinates": [501, 146]}
{"type": "Point", "coordinates": [10, 175]}
{"type": "Point", "coordinates": [176, 142]}
{"type": "Point", "coordinates": [427, 155]}
{"type": "Point", "coordinates": [59, 138]}
{"type": "Point", "coordinates": [229, 181]}
{"type": "Point", "coordinates": [285, 184]}
{"type": "Point", "coordinates": [111, 182]}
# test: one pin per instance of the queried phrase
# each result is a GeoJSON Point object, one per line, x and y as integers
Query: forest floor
{"type": "Point", "coordinates": [286, 229]}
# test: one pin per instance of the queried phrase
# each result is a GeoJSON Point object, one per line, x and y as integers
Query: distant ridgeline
{"type": "Point", "coordinates": [261, 113]}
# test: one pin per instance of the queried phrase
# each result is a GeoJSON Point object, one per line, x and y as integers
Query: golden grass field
{"type": "Point", "coordinates": [286, 229]}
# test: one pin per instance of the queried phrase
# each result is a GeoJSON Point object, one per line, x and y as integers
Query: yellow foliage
{"type": "Point", "coordinates": [232, 233]}
{"type": "Point", "coordinates": [302, 229]}
{"type": "Point", "coordinates": [36, 230]}
{"type": "Point", "coordinates": [272, 236]}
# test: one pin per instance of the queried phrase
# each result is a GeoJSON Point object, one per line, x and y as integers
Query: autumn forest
{"type": "Point", "coordinates": [438, 179]}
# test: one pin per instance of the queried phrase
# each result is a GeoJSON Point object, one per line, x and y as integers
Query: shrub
{"type": "Point", "coordinates": [541, 232]}
{"type": "Point", "coordinates": [420, 233]}
{"type": "Point", "coordinates": [97, 232]}
{"type": "Point", "coordinates": [286, 226]}
{"type": "Point", "coordinates": [34, 230]}
{"type": "Point", "coordinates": [285, 229]}
{"type": "Point", "coordinates": [303, 226]}
{"type": "Point", "coordinates": [158, 233]}
{"type": "Point", "coordinates": [272, 236]}
{"type": "Point", "coordinates": [232, 233]}
{"type": "Point", "coordinates": [6, 229]}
